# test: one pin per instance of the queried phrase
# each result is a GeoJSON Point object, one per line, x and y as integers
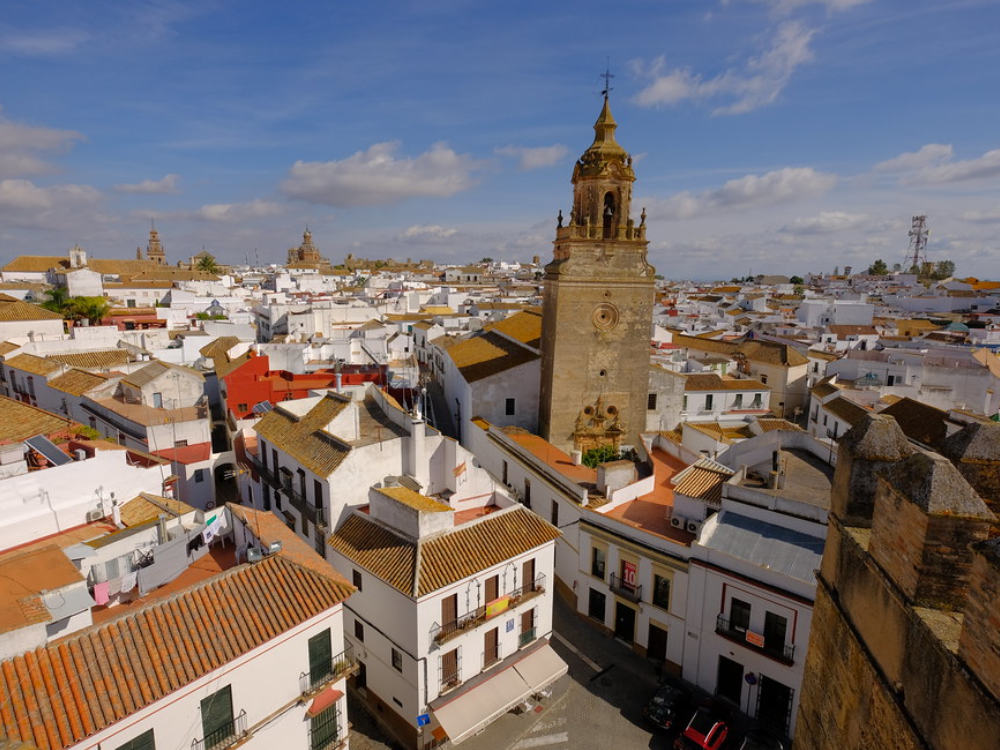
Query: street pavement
{"type": "Point", "coordinates": [597, 705]}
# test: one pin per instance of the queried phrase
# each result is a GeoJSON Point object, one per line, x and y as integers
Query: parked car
{"type": "Point", "coordinates": [706, 731]}
{"type": "Point", "coordinates": [667, 706]}
{"type": "Point", "coordinates": [759, 739]}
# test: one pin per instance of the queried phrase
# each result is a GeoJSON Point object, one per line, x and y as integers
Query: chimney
{"type": "Point", "coordinates": [116, 513]}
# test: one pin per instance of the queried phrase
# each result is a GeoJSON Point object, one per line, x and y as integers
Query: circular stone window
{"type": "Point", "coordinates": [605, 316]}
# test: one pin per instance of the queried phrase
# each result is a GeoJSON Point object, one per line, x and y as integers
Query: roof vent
{"type": "Point", "coordinates": [255, 554]}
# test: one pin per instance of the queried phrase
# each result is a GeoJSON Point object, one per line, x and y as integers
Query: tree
{"type": "Point", "coordinates": [878, 268]}
{"type": "Point", "coordinates": [92, 309]}
{"type": "Point", "coordinates": [944, 269]}
{"type": "Point", "coordinates": [58, 300]}
{"type": "Point", "coordinates": [796, 280]}
{"type": "Point", "coordinates": [207, 264]}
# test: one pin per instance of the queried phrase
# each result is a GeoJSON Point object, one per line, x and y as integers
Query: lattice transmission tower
{"type": "Point", "coordinates": [916, 254]}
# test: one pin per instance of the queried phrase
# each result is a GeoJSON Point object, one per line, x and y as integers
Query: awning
{"type": "Point", "coordinates": [323, 701]}
{"type": "Point", "coordinates": [470, 711]}
{"type": "Point", "coordinates": [541, 668]}
{"type": "Point", "coordinates": [474, 709]}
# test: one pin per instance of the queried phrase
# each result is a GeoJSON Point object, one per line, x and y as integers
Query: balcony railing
{"type": "Point", "coordinates": [780, 651]}
{"type": "Point", "coordinates": [316, 516]}
{"type": "Point", "coordinates": [327, 734]}
{"type": "Point", "coordinates": [450, 681]}
{"type": "Point", "coordinates": [625, 590]}
{"type": "Point", "coordinates": [526, 637]}
{"type": "Point", "coordinates": [343, 664]}
{"type": "Point", "coordinates": [224, 736]}
{"type": "Point", "coordinates": [471, 619]}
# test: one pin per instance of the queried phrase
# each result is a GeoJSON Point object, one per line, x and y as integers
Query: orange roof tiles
{"type": "Point", "coordinates": [19, 421]}
{"type": "Point", "coordinates": [77, 382]}
{"type": "Point", "coordinates": [24, 575]}
{"type": "Point", "coordinates": [443, 558]}
{"type": "Point", "coordinates": [305, 438]}
{"type": "Point", "coordinates": [88, 681]}
{"type": "Point", "coordinates": [414, 500]}
{"type": "Point", "coordinates": [34, 365]}
{"type": "Point", "coordinates": [488, 354]}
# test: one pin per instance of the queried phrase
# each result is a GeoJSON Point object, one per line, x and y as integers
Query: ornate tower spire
{"type": "Point", "coordinates": [597, 306]}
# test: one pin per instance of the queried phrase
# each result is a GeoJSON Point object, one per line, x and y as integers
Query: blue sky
{"type": "Point", "coordinates": [778, 136]}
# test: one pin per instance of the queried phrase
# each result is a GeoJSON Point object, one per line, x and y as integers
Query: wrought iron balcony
{"type": "Point", "coordinates": [471, 619]}
{"type": "Point", "coordinates": [343, 664]}
{"type": "Point", "coordinates": [492, 656]}
{"type": "Point", "coordinates": [315, 515]}
{"type": "Point", "coordinates": [782, 652]}
{"type": "Point", "coordinates": [226, 735]}
{"type": "Point", "coordinates": [526, 637]}
{"type": "Point", "coordinates": [624, 590]}
{"type": "Point", "coordinates": [329, 733]}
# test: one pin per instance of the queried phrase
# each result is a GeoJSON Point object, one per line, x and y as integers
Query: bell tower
{"type": "Point", "coordinates": [154, 250]}
{"type": "Point", "coordinates": [598, 307]}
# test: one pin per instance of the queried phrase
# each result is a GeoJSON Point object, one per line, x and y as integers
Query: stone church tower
{"type": "Point", "coordinates": [154, 250]}
{"type": "Point", "coordinates": [598, 307]}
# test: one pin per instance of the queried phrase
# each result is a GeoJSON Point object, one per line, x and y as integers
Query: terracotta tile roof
{"type": "Point", "coordinates": [147, 507]}
{"type": "Point", "coordinates": [846, 410]}
{"type": "Point", "coordinates": [155, 369]}
{"type": "Point", "coordinates": [18, 421]}
{"type": "Point", "coordinates": [106, 359]}
{"type": "Point", "coordinates": [756, 350]}
{"type": "Point", "coordinates": [34, 365]}
{"type": "Point", "coordinates": [721, 432]}
{"type": "Point", "coordinates": [827, 356]}
{"type": "Point", "coordinates": [823, 389]}
{"type": "Point", "coordinates": [18, 310]}
{"type": "Point", "coordinates": [414, 499]}
{"type": "Point", "coordinates": [36, 263]}
{"type": "Point", "coordinates": [77, 382]}
{"type": "Point", "coordinates": [305, 438]}
{"type": "Point", "coordinates": [145, 415]}
{"type": "Point", "coordinates": [703, 480]}
{"type": "Point", "coordinates": [847, 330]}
{"type": "Point", "coordinates": [524, 326]}
{"type": "Point", "coordinates": [24, 575]}
{"type": "Point", "coordinates": [168, 273]}
{"type": "Point", "coordinates": [713, 382]}
{"type": "Point", "coordinates": [7, 347]}
{"type": "Point", "coordinates": [267, 527]}
{"type": "Point", "coordinates": [219, 347]}
{"type": "Point", "coordinates": [444, 558]}
{"type": "Point", "coordinates": [768, 424]}
{"type": "Point", "coordinates": [438, 310]}
{"type": "Point", "coordinates": [920, 421]}
{"type": "Point", "coordinates": [89, 681]}
{"type": "Point", "coordinates": [488, 354]}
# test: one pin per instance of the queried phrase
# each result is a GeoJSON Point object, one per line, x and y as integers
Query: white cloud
{"type": "Point", "coordinates": [787, 6]}
{"type": "Point", "coordinates": [982, 217]}
{"type": "Point", "coordinates": [20, 145]}
{"type": "Point", "coordinates": [827, 222]}
{"type": "Point", "coordinates": [932, 153]}
{"type": "Point", "coordinates": [24, 204]}
{"type": "Point", "coordinates": [231, 212]}
{"type": "Point", "coordinates": [44, 44]}
{"type": "Point", "coordinates": [987, 165]}
{"type": "Point", "coordinates": [757, 84]}
{"type": "Point", "coordinates": [152, 187]}
{"type": "Point", "coordinates": [780, 186]}
{"type": "Point", "coordinates": [377, 176]}
{"type": "Point", "coordinates": [427, 231]}
{"type": "Point", "coordinates": [534, 158]}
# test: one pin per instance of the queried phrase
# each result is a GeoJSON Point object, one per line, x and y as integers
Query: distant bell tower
{"type": "Point", "coordinates": [154, 250]}
{"type": "Point", "coordinates": [598, 307]}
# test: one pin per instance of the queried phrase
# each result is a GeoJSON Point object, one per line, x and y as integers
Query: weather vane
{"type": "Point", "coordinates": [607, 76]}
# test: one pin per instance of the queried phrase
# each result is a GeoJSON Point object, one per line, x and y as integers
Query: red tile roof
{"type": "Point", "coordinates": [57, 695]}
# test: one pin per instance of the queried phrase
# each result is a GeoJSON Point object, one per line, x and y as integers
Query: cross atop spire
{"type": "Point", "coordinates": [607, 75]}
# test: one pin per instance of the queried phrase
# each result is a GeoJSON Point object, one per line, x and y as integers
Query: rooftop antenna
{"type": "Point", "coordinates": [916, 254]}
{"type": "Point", "coordinates": [607, 75]}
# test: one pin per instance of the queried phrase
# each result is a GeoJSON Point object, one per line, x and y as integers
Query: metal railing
{"type": "Point", "coordinates": [315, 515]}
{"type": "Point", "coordinates": [471, 619]}
{"type": "Point", "coordinates": [526, 637]}
{"type": "Point", "coordinates": [624, 590]}
{"type": "Point", "coordinates": [224, 736]}
{"type": "Point", "coordinates": [326, 734]}
{"type": "Point", "coordinates": [343, 664]}
{"type": "Point", "coordinates": [780, 651]}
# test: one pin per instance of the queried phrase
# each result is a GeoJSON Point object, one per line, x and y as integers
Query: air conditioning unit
{"type": "Point", "coordinates": [94, 515]}
{"type": "Point", "coordinates": [255, 554]}
{"type": "Point", "coordinates": [677, 522]}
{"type": "Point", "coordinates": [693, 526]}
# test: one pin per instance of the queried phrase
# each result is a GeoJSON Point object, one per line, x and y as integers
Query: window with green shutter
{"type": "Point", "coordinates": [320, 657]}
{"type": "Point", "coordinates": [217, 717]}
{"type": "Point", "coordinates": [144, 741]}
{"type": "Point", "coordinates": [324, 729]}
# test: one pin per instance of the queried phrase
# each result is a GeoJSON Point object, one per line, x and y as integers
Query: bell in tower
{"type": "Point", "coordinates": [597, 308]}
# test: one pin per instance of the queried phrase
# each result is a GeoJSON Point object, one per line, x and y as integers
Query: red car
{"type": "Point", "coordinates": [705, 731]}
